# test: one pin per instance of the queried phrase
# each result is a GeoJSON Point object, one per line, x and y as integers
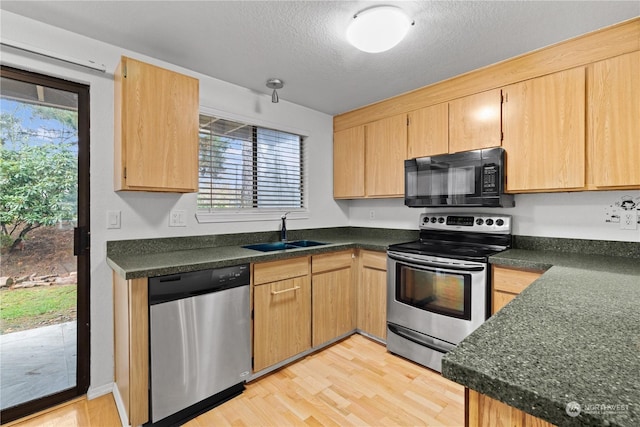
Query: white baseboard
{"type": "Point", "coordinates": [120, 406]}
{"type": "Point", "coordinates": [94, 392]}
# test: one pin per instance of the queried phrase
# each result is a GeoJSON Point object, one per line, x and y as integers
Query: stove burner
{"type": "Point", "coordinates": [474, 240]}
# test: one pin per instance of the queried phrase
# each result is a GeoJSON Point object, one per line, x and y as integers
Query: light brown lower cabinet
{"type": "Point", "coordinates": [333, 296]}
{"type": "Point", "coordinates": [348, 292]}
{"type": "Point", "coordinates": [372, 294]}
{"type": "Point", "coordinates": [305, 302]}
{"type": "Point", "coordinates": [131, 324]}
{"type": "Point", "coordinates": [483, 411]}
{"type": "Point", "coordinates": [281, 310]}
{"type": "Point", "coordinates": [507, 283]}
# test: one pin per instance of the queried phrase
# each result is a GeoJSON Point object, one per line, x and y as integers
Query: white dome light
{"type": "Point", "coordinates": [378, 29]}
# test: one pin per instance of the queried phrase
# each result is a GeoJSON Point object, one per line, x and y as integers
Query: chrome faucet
{"type": "Point", "coordinates": [283, 229]}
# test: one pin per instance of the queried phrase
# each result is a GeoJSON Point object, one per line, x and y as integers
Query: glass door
{"type": "Point", "coordinates": [437, 291]}
{"type": "Point", "coordinates": [44, 221]}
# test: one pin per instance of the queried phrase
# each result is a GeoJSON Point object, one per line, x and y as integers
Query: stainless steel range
{"type": "Point", "coordinates": [438, 287]}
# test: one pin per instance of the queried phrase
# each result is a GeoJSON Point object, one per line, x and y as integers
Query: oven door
{"type": "Point", "coordinates": [439, 297]}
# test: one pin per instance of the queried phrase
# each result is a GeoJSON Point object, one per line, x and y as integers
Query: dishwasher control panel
{"type": "Point", "coordinates": [184, 285]}
{"type": "Point", "coordinates": [229, 275]}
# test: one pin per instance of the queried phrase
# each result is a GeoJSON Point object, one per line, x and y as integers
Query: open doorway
{"type": "Point", "coordinates": [44, 221]}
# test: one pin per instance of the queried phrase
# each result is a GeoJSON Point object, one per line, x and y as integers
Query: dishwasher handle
{"type": "Point", "coordinates": [184, 285]}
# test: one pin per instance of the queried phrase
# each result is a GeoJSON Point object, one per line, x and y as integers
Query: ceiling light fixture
{"type": "Point", "coordinates": [275, 84]}
{"type": "Point", "coordinates": [378, 28]}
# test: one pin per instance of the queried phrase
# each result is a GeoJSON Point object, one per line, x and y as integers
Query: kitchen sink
{"type": "Point", "coordinates": [306, 243]}
{"type": "Point", "coordinates": [280, 246]}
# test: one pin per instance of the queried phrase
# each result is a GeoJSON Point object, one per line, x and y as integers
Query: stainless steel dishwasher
{"type": "Point", "coordinates": [199, 341]}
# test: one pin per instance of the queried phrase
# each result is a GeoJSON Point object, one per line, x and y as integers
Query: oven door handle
{"type": "Point", "coordinates": [435, 264]}
{"type": "Point", "coordinates": [420, 340]}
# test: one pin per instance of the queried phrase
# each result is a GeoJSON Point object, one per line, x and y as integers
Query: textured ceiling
{"type": "Point", "coordinates": [304, 43]}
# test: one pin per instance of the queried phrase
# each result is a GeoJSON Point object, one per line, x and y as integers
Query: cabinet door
{"type": "Point", "coordinates": [613, 121]}
{"type": "Point", "coordinates": [385, 152]}
{"type": "Point", "coordinates": [507, 283]}
{"type": "Point", "coordinates": [282, 322]}
{"type": "Point", "coordinates": [372, 294]}
{"type": "Point", "coordinates": [156, 129]}
{"type": "Point", "coordinates": [428, 132]}
{"type": "Point", "coordinates": [544, 132]}
{"type": "Point", "coordinates": [474, 121]}
{"type": "Point", "coordinates": [500, 299]}
{"type": "Point", "coordinates": [348, 163]}
{"type": "Point", "coordinates": [333, 304]}
{"type": "Point", "coordinates": [131, 352]}
{"type": "Point", "coordinates": [483, 411]}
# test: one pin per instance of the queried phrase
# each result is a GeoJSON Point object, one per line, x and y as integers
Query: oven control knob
{"type": "Point", "coordinates": [500, 223]}
{"type": "Point", "coordinates": [479, 221]}
{"type": "Point", "coordinates": [433, 220]}
{"type": "Point", "coordinates": [426, 219]}
{"type": "Point", "coordinates": [440, 220]}
{"type": "Point", "coordinates": [489, 221]}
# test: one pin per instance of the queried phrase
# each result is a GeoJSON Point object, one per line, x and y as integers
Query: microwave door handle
{"type": "Point", "coordinates": [435, 264]}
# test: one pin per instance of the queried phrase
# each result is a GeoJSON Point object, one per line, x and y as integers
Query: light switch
{"type": "Point", "coordinates": [113, 219]}
{"type": "Point", "coordinates": [178, 218]}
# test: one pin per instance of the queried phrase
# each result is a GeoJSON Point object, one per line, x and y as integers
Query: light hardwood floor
{"type": "Point", "coordinates": [354, 382]}
{"type": "Point", "coordinates": [79, 412]}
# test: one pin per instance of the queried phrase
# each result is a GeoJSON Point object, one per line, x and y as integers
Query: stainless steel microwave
{"type": "Point", "coordinates": [468, 178]}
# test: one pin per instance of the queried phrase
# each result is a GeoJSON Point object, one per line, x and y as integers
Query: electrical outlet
{"type": "Point", "coordinates": [628, 220]}
{"type": "Point", "coordinates": [178, 218]}
{"type": "Point", "coordinates": [372, 214]}
{"type": "Point", "coordinates": [113, 219]}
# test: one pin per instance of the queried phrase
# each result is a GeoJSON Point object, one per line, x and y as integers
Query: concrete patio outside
{"type": "Point", "coordinates": [37, 362]}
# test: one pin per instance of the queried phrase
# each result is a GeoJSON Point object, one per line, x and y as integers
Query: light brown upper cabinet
{"type": "Point", "coordinates": [565, 133]}
{"type": "Point", "coordinates": [544, 132]}
{"type": "Point", "coordinates": [385, 152]}
{"type": "Point", "coordinates": [156, 129]}
{"type": "Point", "coordinates": [474, 121]}
{"type": "Point", "coordinates": [348, 163]}
{"type": "Point", "coordinates": [428, 131]}
{"type": "Point", "coordinates": [613, 122]}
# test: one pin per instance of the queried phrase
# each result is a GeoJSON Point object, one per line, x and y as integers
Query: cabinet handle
{"type": "Point", "coordinates": [295, 288]}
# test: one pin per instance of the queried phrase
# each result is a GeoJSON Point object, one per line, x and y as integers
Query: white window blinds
{"type": "Point", "coordinates": [245, 167]}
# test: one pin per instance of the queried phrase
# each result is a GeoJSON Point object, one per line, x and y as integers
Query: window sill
{"type": "Point", "coordinates": [206, 217]}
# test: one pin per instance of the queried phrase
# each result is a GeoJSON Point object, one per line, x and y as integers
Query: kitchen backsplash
{"type": "Point", "coordinates": [579, 215]}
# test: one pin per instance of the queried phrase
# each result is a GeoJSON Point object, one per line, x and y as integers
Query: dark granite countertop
{"type": "Point", "coordinates": [544, 260]}
{"type": "Point", "coordinates": [572, 336]}
{"type": "Point", "coordinates": [157, 257]}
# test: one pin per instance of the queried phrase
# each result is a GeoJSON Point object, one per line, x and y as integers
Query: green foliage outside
{"type": "Point", "coordinates": [38, 172]}
{"type": "Point", "coordinates": [32, 307]}
{"type": "Point", "coordinates": [211, 158]}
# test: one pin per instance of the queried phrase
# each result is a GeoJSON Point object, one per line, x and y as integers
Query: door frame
{"type": "Point", "coordinates": [81, 247]}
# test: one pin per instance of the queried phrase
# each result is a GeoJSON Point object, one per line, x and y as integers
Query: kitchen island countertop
{"type": "Point", "coordinates": [571, 336]}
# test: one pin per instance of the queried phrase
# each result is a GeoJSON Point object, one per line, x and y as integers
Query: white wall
{"type": "Point", "coordinates": [580, 215]}
{"type": "Point", "coordinates": [146, 215]}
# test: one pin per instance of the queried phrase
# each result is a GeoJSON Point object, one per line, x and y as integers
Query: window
{"type": "Point", "coordinates": [247, 167]}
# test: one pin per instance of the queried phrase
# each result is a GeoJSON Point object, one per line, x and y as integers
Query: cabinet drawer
{"type": "Point", "coordinates": [331, 261]}
{"type": "Point", "coordinates": [377, 260]}
{"type": "Point", "coordinates": [274, 271]}
{"type": "Point", "coordinates": [512, 280]}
